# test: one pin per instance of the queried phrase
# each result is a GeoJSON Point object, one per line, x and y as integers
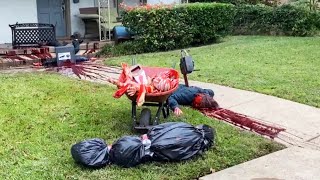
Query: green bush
{"type": "Point", "coordinates": [165, 28]}
{"type": "Point", "coordinates": [312, 5]}
{"type": "Point", "coordinates": [181, 26]}
{"type": "Point", "coordinates": [125, 48]}
{"type": "Point", "coordinates": [282, 20]}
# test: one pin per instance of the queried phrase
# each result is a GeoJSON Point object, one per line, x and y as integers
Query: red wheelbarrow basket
{"type": "Point", "coordinates": [158, 99]}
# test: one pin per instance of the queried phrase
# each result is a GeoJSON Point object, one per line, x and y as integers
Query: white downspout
{"type": "Point", "coordinates": [109, 19]}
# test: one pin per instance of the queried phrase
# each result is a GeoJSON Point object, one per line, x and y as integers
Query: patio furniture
{"type": "Point", "coordinates": [91, 25]}
{"type": "Point", "coordinates": [99, 21]}
{"type": "Point", "coordinates": [32, 34]}
{"type": "Point", "coordinates": [91, 22]}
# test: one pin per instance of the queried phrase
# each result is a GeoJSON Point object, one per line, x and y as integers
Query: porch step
{"type": "Point", "coordinates": [12, 52]}
{"type": "Point", "coordinates": [100, 44]}
{"type": "Point", "coordinates": [6, 63]}
{"type": "Point", "coordinates": [83, 46]}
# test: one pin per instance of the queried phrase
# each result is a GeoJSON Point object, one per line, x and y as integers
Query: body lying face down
{"type": "Point", "coordinates": [191, 96]}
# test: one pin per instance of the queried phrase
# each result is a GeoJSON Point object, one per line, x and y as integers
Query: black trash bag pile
{"type": "Point", "coordinates": [172, 141]}
{"type": "Point", "coordinates": [178, 141]}
{"type": "Point", "coordinates": [91, 153]}
{"type": "Point", "coordinates": [128, 151]}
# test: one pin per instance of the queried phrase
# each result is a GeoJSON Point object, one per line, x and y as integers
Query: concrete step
{"type": "Point", "coordinates": [6, 48]}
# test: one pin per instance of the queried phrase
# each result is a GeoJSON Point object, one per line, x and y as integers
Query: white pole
{"type": "Point", "coordinates": [99, 23]}
{"type": "Point", "coordinates": [109, 19]}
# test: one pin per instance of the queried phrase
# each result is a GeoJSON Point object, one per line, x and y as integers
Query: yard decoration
{"type": "Point", "coordinates": [243, 121]}
{"type": "Point", "coordinates": [206, 105]}
{"type": "Point", "coordinates": [149, 86]}
{"type": "Point", "coordinates": [150, 91]}
{"type": "Point", "coordinates": [177, 141]}
{"type": "Point", "coordinates": [167, 142]}
{"type": "Point", "coordinates": [136, 79]}
{"type": "Point", "coordinates": [150, 81]}
{"type": "Point", "coordinates": [91, 153]}
{"type": "Point", "coordinates": [128, 151]}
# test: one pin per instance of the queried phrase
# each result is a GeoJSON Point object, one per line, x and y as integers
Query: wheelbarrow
{"type": "Point", "coordinates": [158, 99]}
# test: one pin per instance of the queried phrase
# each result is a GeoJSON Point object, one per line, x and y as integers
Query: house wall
{"type": "Point", "coordinates": [77, 24]}
{"type": "Point", "coordinates": [23, 11]}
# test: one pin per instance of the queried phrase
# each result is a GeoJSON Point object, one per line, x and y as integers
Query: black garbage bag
{"type": "Point", "coordinates": [177, 141]}
{"type": "Point", "coordinates": [209, 134]}
{"type": "Point", "coordinates": [128, 151]}
{"type": "Point", "coordinates": [91, 153]}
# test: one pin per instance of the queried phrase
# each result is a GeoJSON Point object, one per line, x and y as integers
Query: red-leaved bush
{"type": "Point", "coordinates": [128, 8]}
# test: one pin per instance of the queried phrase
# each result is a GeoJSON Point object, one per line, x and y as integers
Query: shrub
{"type": "Point", "coordinates": [166, 28]}
{"type": "Point", "coordinates": [252, 19]}
{"type": "Point", "coordinates": [161, 28]}
{"type": "Point", "coordinates": [125, 48]}
{"type": "Point", "coordinates": [283, 20]}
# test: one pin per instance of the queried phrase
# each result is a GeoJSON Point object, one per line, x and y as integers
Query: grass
{"type": "Point", "coordinates": [43, 115]}
{"type": "Point", "coordinates": [287, 67]}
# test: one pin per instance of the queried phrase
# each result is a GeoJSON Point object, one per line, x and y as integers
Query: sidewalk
{"type": "Point", "coordinates": [293, 163]}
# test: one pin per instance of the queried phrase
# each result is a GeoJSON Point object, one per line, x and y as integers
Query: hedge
{"type": "Point", "coordinates": [282, 20]}
{"type": "Point", "coordinates": [160, 28]}
{"type": "Point", "coordinates": [121, 49]}
{"type": "Point", "coordinates": [166, 28]}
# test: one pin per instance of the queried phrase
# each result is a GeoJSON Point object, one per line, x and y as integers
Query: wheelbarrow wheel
{"type": "Point", "coordinates": [145, 118]}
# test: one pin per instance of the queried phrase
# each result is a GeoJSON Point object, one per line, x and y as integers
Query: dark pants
{"type": "Point", "coordinates": [75, 43]}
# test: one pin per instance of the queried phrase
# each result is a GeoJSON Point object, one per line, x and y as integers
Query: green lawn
{"type": "Point", "coordinates": [287, 67]}
{"type": "Point", "coordinates": [43, 115]}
